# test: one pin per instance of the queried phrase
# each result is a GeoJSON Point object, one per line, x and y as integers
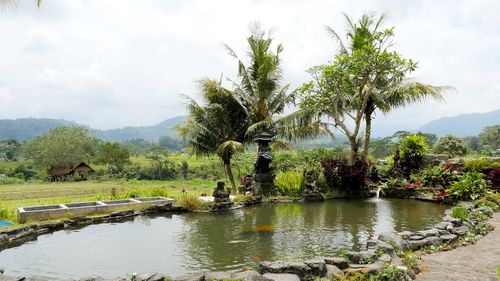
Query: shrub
{"type": "Point", "coordinates": [490, 200]}
{"type": "Point", "coordinates": [471, 185]}
{"type": "Point", "coordinates": [22, 172]}
{"type": "Point", "coordinates": [494, 177]}
{"type": "Point", "coordinates": [4, 213]}
{"type": "Point", "coordinates": [144, 192]}
{"type": "Point", "coordinates": [340, 174]}
{"type": "Point", "coordinates": [451, 146]}
{"type": "Point", "coordinates": [191, 203]}
{"type": "Point", "coordinates": [290, 183]}
{"type": "Point", "coordinates": [480, 164]}
{"type": "Point", "coordinates": [411, 154]}
{"type": "Point", "coordinates": [459, 213]}
{"type": "Point", "coordinates": [435, 176]}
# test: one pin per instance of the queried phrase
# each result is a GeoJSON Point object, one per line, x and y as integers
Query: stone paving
{"type": "Point", "coordinates": [476, 262]}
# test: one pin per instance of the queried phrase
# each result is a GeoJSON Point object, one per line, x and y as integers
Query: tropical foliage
{"type": "Point", "coordinates": [451, 146]}
{"type": "Point", "coordinates": [471, 186]}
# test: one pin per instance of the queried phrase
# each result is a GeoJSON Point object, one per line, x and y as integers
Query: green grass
{"type": "Point", "coordinates": [17, 195]}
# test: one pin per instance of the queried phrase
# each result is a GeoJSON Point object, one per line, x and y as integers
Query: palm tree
{"type": "Point", "coordinates": [260, 90]}
{"type": "Point", "coordinates": [38, 3]}
{"type": "Point", "coordinates": [217, 126]}
{"type": "Point", "coordinates": [389, 91]}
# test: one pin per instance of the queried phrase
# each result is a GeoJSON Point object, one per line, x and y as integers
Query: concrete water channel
{"type": "Point", "coordinates": [38, 213]}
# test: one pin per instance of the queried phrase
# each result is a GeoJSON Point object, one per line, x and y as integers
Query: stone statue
{"type": "Point", "coordinates": [263, 176]}
{"type": "Point", "coordinates": [221, 198]}
{"type": "Point", "coordinates": [310, 192]}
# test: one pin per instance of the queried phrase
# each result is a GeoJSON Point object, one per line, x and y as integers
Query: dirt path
{"type": "Point", "coordinates": [475, 262]}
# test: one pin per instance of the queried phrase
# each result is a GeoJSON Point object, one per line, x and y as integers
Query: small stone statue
{"type": "Point", "coordinates": [310, 192]}
{"type": "Point", "coordinates": [221, 197]}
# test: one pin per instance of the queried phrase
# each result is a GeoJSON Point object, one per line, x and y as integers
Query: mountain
{"type": "Point", "coordinates": [462, 125]}
{"type": "Point", "coordinates": [28, 128]}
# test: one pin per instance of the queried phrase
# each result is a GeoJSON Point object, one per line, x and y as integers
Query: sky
{"type": "Point", "coordinates": [110, 64]}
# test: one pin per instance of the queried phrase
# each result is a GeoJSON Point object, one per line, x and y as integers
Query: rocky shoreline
{"type": "Point", "coordinates": [379, 255]}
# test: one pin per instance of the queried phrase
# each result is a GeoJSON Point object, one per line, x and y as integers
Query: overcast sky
{"type": "Point", "coordinates": [110, 64]}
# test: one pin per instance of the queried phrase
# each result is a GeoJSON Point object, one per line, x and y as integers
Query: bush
{"type": "Point", "coordinates": [490, 200]}
{"type": "Point", "coordinates": [290, 183]}
{"type": "Point", "coordinates": [435, 176]}
{"type": "Point", "coordinates": [480, 164]}
{"type": "Point", "coordinates": [411, 154]}
{"type": "Point", "coordinates": [191, 203]}
{"type": "Point", "coordinates": [22, 172]}
{"type": "Point", "coordinates": [494, 177]}
{"type": "Point", "coordinates": [471, 185]}
{"type": "Point", "coordinates": [459, 213]}
{"type": "Point", "coordinates": [451, 146]}
{"type": "Point", "coordinates": [141, 192]}
{"type": "Point", "coordinates": [340, 174]}
{"type": "Point", "coordinates": [4, 213]}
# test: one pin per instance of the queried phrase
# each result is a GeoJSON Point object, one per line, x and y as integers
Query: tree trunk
{"type": "Point", "coordinates": [368, 132]}
{"type": "Point", "coordinates": [229, 172]}
{"type": "Point", "coordinates": [354, 149]}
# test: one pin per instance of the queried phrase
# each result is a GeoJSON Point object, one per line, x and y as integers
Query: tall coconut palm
{"type": "Point", "coordinates": [38, 3]}
{"type": "Point", "coordinates": [217, 125]}
{"type": "Point", "coordinates": [389, 91]}
{"type": "Point", "coordinates": [260, 88]}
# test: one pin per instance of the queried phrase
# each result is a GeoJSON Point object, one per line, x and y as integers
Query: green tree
{"type": "Point", "coordinates": [217, 126]}
{"type": "Point", "coordinates": [451, 146]}
{"type": "Point", "coordinates": [412, 153]}
{"type": "Point", "coordinates": [490, 136]}
{"type": "Point", "coordinates": [365, 76]}
{"type": "Point", "coordinates": [61, 146]}
{"type": "Point", "coordinates": [113, 154]}
{"type": "Point", "coordinates": [161, 163]}
{"type": "Point", "coordinates": [10, 149]}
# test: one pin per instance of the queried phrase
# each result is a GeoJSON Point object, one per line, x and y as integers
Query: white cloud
{"type": "Point", "coordinates": [116, 63]}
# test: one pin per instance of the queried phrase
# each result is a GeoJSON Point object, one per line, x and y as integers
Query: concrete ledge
{"type": "Point", "coordinates": [38, 213]}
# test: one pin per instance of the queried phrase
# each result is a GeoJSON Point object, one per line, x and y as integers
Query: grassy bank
{"type": "Point", "coordinates": [17, 195]}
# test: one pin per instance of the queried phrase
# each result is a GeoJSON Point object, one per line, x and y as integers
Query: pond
{"type": "Point", "coordinates": [178, 244]}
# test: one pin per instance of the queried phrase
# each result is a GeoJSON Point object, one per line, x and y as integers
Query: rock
{"type": "Point", "coordinates": [416, 237]}
{"type": "Point", "coordinates": [151, 277]}
{"type": "Point", "coordinates": [318, 267]}
{"type": "Point", "coordinates": [333, 272]}
{"type": "Point", "coordinates": [371, 244]}
{"type": "Point", "coordinates": [386, 247]}
{"type": "Point", "coordinates": [385, 258]}
{"type": "Point", "coordinates": [443, 232]}
{"type": "Point", "coordinates": [339, 262]}
{"type": "Point", "coordinates": [4, 238]}
{"type": "Point", "coordinates": [192, 277]}
{"type": "Point", "coordinates": [35, 278]}
{"type": "Point", "coordinates": [124, 213]}
{"type": "Point", "coordinates": [394, 238]}
{"type": "Point", "coordinates": [218, 276]}
{"type": "Point", "coordinates": [428, 233]}
{"type": "Point", "coordinates": [362, 256]}
{"type": "Point", "coordinates": [411, 273]}
{"type": "Point", "coordinates": [460, 231]}
{"type": "Point", "coordinates": [297, 268]}
{"type": "Point", "coordinates": [454, 221]}
{"type": "Point", "coordinates": [249, 275]}
{"type": "Point", "coordinates": [433, 241]}
{"type": "Point", "coordinates": [406, 234]}
{"type": "Point", "coordinates": [449, 237]}
{"type": "Point", "coordinates": [93, 278]}
{"type": "Point", "coordinates": [281, 277]}
{"type": "Point", "coordinates": [442, 225]}
{"type": "Point", "coordinates": [416, 244]}
{"type": "Point", "coordinates": [365, 268]}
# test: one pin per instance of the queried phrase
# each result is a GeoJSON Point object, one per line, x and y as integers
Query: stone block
{"type": "Point", "coordinates": [281, 277]}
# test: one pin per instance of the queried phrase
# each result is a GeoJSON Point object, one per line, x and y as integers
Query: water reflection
{"type": "Point", "coordinates": [184, 243]}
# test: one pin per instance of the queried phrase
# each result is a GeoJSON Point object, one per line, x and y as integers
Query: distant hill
{"type": "Point", "coordinates": [462, 125]}
{"type": "Point", "coordinates": [28, 128]}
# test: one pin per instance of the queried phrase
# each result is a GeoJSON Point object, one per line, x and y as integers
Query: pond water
{"type": "Point", "coordinates": [178, 244]}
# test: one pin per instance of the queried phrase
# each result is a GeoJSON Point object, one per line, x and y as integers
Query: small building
{"type": "Point", "coordinates": [63, 173]}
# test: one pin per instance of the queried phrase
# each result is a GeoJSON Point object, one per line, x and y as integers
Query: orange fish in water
{"type": "Point", "coordinates": [258, 257]}
{"type": "Point", "coordinates": [264, 227]}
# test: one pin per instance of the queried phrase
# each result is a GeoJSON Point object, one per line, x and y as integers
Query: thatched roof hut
{"type": "Point", "coordinates": [64, 172]}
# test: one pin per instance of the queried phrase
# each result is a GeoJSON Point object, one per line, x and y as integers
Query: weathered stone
{"type": "Point", "coordinates": [433, 241]}
{"type": "Point", "coordinates": [366, 268]}
{"type": "Point", "coordinates": [443, 232]}
{"type": "Point", "coordinates": [416, 237]}
{"type": "Point", "coordinates": [281, 277]}
{"type": "Point", "coordinates": [442, 225]}
{"type": "Point", "coordinates": [416, 244]}
{"type": "Point", "coordinates": [449, 237]}
{"type": "Point", "coordinates": [391, 237]}
{"type": "Point", "coordinates": [460, 231]}
{"type": "Point", "coordinates": [297, 268]}
{"type": "Point", "coordinates": [123, 213]}
{"type": "Point", "coordinates": [218, 276]}
{"type": "Point", "coordinates": [192, 277]}
{"type": "Point", "coordinates": [385, 258]}
{"type": "Point", "coordinates": [249, 275]}
{"type": "Point", "coordinates": [93, 278]}
{"type": "Point", "coordinates": [151, 277]}
{"type": "Point", "coordinates": [339, 262]}
{"type": "Point", "coordinates": [35, 278]}
{"type": "Point", "coordinates": [406, 234]}
{"type": "Point", "coordinates": [454, 221]}
{"type": "Point", "coordinates": [362, 256]}
{"type": "Point", "coordinates": [4, 238]}
{"type": "Point", "coordinates": [428, 233]}
{"type": "Point", "coordinates": [318, 267]}
{"type": "Point", "coordinates": [386, 247]}
{"type": "Point", "coordinates": [333, 272]}
{"type": "Point", "coordinates": [371, 244]}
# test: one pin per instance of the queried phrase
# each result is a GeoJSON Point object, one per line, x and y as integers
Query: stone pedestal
{"type": "Point", "coordinates": [310, 193]}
